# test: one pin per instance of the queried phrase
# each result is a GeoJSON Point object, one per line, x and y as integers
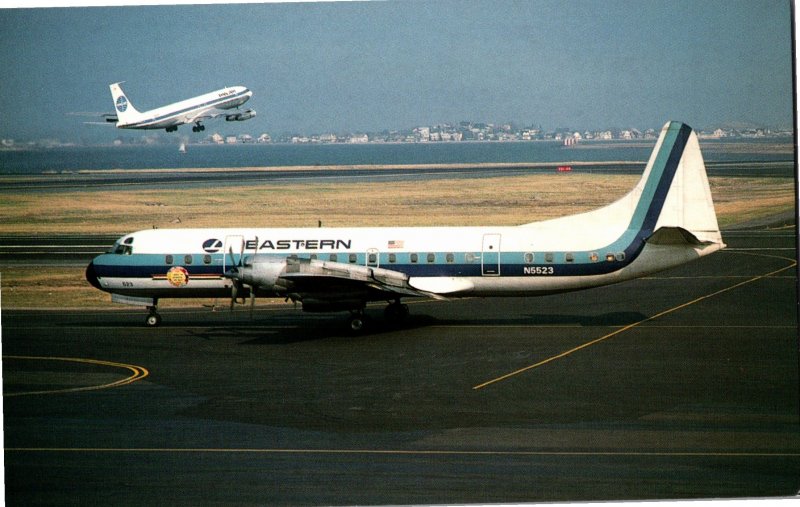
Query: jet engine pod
{"type": "Point", "coordinates": [244, 115]}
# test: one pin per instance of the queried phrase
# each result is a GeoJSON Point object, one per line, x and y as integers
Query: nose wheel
{"type": "Point", "coordinates": [153, 318]}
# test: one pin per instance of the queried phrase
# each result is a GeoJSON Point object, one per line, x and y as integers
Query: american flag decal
{"type": "Point", "coordinates": [395, 243]}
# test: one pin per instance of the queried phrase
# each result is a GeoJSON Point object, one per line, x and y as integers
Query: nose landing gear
{"type": "Point", "coordinates": [153, 317]}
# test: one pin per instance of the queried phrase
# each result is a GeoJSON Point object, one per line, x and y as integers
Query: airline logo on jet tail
{"type": "Point", "coordinates": [122, 104]}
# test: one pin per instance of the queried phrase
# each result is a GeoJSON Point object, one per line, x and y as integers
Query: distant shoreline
{"type": "Point", "coordinates": [361, 167]}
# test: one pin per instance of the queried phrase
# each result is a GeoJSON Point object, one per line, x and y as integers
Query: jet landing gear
{"type": "Point", "coordinates": [153, 318]}
{"type": "Point", "coordinates": [198, 127]}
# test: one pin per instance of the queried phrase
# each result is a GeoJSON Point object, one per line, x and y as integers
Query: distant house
{"type": "Point", "coordinates": [358, 139]}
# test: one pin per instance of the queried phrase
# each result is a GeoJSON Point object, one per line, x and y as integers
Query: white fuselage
{"type": "Point", "coordinates": [462, 261]}
{"type": "Point", "coordinates": [667, 219]}
{"type": "Point", "coordinates": [187, 111]}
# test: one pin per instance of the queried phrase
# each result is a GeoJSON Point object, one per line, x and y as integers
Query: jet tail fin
{"type": "Point", "coordinates": [126, 113]}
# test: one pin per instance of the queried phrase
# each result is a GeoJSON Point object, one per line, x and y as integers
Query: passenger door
{"type": "Point", "coordinates": [490, 258]}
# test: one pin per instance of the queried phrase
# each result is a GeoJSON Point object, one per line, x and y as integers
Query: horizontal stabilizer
{"type": "Point", "coordinates": [674, 236]}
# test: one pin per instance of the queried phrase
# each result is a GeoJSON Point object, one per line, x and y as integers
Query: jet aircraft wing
{"type": "Point", "coordinates": [207, 114]}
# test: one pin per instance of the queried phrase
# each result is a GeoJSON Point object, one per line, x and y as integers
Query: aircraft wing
{"type": "Point", "coordinates": [315, 277]}
{"type": "Point", "coordinates": [207, 114]}
{"type": "Point", "coordinates": [229, 114]}
{"type": "Point", "coordinates": [106, 117]}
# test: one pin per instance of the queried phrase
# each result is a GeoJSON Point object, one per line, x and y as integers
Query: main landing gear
{"type": "Point", "coordinates": [153, 317]}
{"type": "Point", "coordinates": [198, 128]}
{"type": "Point", "coordinates": [395, 313]}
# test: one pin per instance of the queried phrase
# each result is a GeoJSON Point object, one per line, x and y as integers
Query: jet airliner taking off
{"type": "Point", "coordinates": [195, 110]}
{"type": "Point", "coordinates": [666, 220]}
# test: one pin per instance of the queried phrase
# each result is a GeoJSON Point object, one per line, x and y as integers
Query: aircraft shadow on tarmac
{"type": "Point", "coordinates": [286, 331]}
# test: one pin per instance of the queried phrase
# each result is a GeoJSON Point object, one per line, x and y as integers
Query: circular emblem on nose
{"type": "Point", "coordinates": [178, 276]}
{"type": "Point", "coordinates": [122, 104]}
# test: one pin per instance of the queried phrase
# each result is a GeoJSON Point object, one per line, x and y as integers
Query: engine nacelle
{"type": "Point", "coordinates": [244, 115]}
{"type": "Point", "coordinates": [261, 273]}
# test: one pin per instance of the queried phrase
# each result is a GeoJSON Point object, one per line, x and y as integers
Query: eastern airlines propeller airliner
{"type": "Point", "coordinates": [194, 110]}
{"type": "Point", "coordinates": [666, 220]}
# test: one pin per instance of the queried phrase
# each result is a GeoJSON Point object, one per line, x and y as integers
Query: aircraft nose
{"type": "Point", "coordinates": [91, 276]}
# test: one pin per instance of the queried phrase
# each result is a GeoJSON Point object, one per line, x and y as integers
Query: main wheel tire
{"type": "Point", "coordinates": [357, 324]}
{"type": "Point", "coordinates": [396, 312]}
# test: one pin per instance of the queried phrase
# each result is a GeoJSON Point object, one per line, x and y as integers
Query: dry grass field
{"type": "Point", "coordinates": [491, 201]}
{"type": "Point", "coordinates": [496, 201]}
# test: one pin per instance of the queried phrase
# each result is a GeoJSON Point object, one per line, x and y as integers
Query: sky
{"type": "Point", "coordinates": [369, 66]}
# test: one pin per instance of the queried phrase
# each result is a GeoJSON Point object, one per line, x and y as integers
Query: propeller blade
{"type": "Point", "coordinates": [252, 301]}
{"type": "Point", "coordinates": [234, 292]}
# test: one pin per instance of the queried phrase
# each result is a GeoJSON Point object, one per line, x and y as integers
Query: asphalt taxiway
{"type": "Point", "coordinates": [679, 385]}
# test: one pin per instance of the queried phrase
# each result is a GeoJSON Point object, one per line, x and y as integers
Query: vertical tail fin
{"type": "Point", "coordinates": [671, 202]}
{"type": "Point", "coordinates": [674, 188]}
{"type": "Point", "coordinates": [125, 110]}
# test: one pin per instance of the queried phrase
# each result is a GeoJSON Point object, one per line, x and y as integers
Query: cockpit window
{"type": "Point", "coordinates": [123, 250]}
{"type": "Point", "coordinates": [123, 246]}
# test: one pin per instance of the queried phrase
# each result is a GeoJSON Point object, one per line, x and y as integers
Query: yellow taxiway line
{"type": "Point", "coordinates": [635, 324]}
{"type": "Point", "coordinates": [137, 373]}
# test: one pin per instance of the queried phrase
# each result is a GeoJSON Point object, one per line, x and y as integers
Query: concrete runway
{"type": "Point", "coordinates": [681, 385]}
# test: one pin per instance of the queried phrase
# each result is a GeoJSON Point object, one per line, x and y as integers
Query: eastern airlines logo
{"type": "Point", "coordinates": [122, 104]}
{"type": "Point", "coordinates": [212, 245]}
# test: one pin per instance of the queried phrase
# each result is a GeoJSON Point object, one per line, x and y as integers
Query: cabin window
{"type": "Point", "coordinates": [431, 258]}
{"type": "Point", "coordinates": [450, 258]}
{"type": "Point", "coordinates": [352, 258]}
{"type": "Point", "coordinates": [621, 256]}
{"type": "Point", "coordinates": [610, 257]}
{"type": "Point", "coordinates": [594, 257]}
{"type": "Point", "coordinates": [372, 258]}
{"type": "Point", "coordinates": [414, 258]}
{"type": "Point", "coordinates": [470, 257]}
{"type": "Point", "coordinates": [206, 259]}
{"type": "Point", "coordinates": [548, 257]}
{"type": "Point", "coordinates": [168, 260]}
{"type": "Point", "coordinates": [187, 259]}
{"type": "Point", "coordinates": [569, 257]}
{"type": "Point", "coordinates": [313, 257]}
{"type": "Point", "coordinates": [528, 258]}
{"type": "Point", "coordinates": [392, 258]}
{"type": "Point", "coordinates": [334, 258]}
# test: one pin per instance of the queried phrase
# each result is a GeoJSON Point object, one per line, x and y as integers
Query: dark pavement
{"type": "Point", "coordinates": [288, 408]}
